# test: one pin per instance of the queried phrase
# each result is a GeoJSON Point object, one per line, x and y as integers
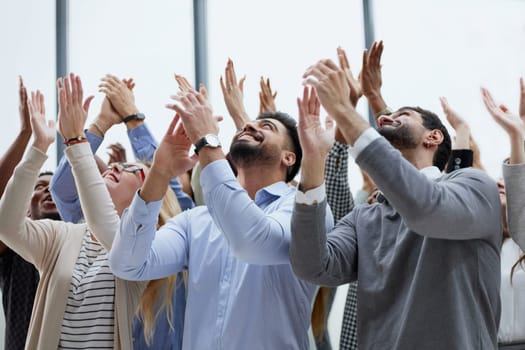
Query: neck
{"type": "Point", "coordinates": [253, 178]}
{"type": "Point", "coordinates": [418, 158]}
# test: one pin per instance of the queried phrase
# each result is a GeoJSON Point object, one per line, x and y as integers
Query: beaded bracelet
{"type": "Point", "coordinates": [75, 140]}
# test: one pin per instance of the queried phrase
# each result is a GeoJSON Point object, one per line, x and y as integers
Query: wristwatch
{"type": "Point", "coordinates": [209, 140]}
{"type": "Point", "coordinates": [137, 116]}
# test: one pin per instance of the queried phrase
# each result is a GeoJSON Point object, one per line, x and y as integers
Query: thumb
{"type": "Point", "coordinates": [87, 102]}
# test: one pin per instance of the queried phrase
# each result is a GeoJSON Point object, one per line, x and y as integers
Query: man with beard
{"type": "Point", "coordinates": [18, 278]}
{"type": "Point", "coordinates": [242, 292]}
{"type": "Point", "coordinates": [427, 257]}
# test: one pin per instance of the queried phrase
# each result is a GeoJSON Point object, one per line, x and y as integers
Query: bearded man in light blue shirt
{"type": "Point", "coordinates": [242, 292]}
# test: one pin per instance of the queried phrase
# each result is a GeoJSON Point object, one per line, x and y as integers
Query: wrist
{"type": "Point", "coordinates": [103, 124]}
{"type": "Point", "coordinates": [127, 111]}
{"type": "Point", "coordinates": [41, 146]}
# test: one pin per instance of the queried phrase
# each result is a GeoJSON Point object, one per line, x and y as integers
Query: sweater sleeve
{"type": "Point", "coordinates": [514, 177]}
{"type": "Point", "coordinates": [314, 257]}
{"type": "Point", "coordinates": [462, 205]}
{"type": "Point", "coordinates": [30, 239]}
{"type": "Point", "coordinates": [97, 205]}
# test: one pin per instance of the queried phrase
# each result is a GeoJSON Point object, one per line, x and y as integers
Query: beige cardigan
{"type": "Point", "coordinates": [53, 246]}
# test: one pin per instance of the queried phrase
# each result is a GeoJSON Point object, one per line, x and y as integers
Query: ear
{"type": "Point", "coordinates": [433, 138]}
{"type": "Point", "coordinates": [288, 158]}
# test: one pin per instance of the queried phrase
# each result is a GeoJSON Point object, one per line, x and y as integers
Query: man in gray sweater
{"type": "Point", "coordinates": [427, 256]}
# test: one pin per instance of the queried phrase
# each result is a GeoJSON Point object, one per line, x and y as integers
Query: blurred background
{"type": "Point", "coordinates": [432, 49]}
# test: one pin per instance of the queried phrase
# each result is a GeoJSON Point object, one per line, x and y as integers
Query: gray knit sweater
{"type": "Point", "coordinates": [427, 261]}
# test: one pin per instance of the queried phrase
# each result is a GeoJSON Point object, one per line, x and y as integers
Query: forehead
{"type": "Point", "coordinates": [408, 112]}
{"type": "Point", "coordinates": [44, 178]}
{"type": "Point", "coordinates": [278, 125]}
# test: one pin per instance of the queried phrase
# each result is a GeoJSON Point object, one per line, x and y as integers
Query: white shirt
{"type": "Point", "coordinates": [512, 323]}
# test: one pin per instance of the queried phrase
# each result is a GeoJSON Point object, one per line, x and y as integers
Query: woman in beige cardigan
{"type": "Point", "coordinates": [56, 248]}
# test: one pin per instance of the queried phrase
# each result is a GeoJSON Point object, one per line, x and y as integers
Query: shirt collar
{"type": "Point", "coordinates": [277, 189]}
{"type": "Point", "coordinates": [431, 172]}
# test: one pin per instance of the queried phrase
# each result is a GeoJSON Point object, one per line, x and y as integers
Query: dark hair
{"type": "Point", "coordinates": [431, 122]}
{"type": "Point", "coordinates": [45, 173]}
{"type": "Point", "coordinates": [291, 127]}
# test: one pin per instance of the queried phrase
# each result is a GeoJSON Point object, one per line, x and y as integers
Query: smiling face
{"type": "Point", "coordinates": [122, 181]}
{"type": "Point", "coordinates": [42, 205]}
{"type": "Point", "coordinates": [259, 142]}
{"type": "Point", "coordinates": [403, 129]}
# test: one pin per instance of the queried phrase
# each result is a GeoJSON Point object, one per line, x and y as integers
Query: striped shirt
{"type": "Point", "coordinates": [89, 316]}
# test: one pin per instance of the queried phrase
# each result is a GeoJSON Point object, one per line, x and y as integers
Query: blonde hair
{"type": "Point", "coordinates": [148, 309]}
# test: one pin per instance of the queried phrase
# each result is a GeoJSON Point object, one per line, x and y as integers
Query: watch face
{"type": "Point", "coordinates": [213, 140]}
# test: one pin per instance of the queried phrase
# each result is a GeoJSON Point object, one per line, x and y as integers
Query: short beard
{"type": "Point", "coordinates": [400, 138]}
{"type": "Point", "coordinates": [54, 215]}
{"type": "Point", "coordinates": [244, 155]}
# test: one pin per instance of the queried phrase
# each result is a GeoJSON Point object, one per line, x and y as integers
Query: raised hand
{"type": "Point", "coordinates": [23, 107]}
{"type": "Point", "coordinates": [316, 141]}
{"type": "Point", "coordinates": [266, 97]}
{"type": "Point", "coordinates": [120, 94]}
{"type": "Point", "coordinates": [72, 113]}
{"type": "Point", "coordinates": [511, 123]}
{"type": "Point", "coordinates": [333, 90]}
{"type": "Point", "coordinates": [232, 92]}
{"type": "Point", "coordinates": [370, 76]}
{"type": "Point", "coordinates": [117, 153]}
{"type": "Point", "coordinates": [171, 159]}
{"type": "Point", "coordinates": [196, 113]}
{"type": "Point", "coordinates": [172, 155]}
{"type": "Point", "coordinates": [331, 86]}
{"type": "Point", "coordinates": [43, 130]}
{"type": "Point", "coordinates": [459, 124]}
{"type": "Point", "coordinates": [355, 87]}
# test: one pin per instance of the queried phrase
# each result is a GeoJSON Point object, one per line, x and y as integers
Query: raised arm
{"type": "Point", "coordinates": [28, 238]}
{"type": "Point", "coordinates": [419, 201]}
{"type": "Point", "coordinates": [514, 172]}
{"type": "Point", "coordinates": [97, 205]}
{"type": "Point", "coordinates": [138, 252]}
{"type": "Point", "coordinates": [15, 152]}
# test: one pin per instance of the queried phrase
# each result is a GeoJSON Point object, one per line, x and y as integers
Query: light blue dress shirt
{"type": "Point", "coordinates": [67, 201]}
{"type": "Point", "coordinates": [242, 292]}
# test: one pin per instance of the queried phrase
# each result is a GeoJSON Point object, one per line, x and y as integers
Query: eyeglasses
{"type": "Point", "coordinates": [129, 168]}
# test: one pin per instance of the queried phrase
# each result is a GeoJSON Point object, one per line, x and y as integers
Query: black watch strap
{"type": "Point", "coordinates": [137, 116]}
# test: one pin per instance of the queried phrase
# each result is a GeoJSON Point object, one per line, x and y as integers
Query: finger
{"type": "Point", "coordinates": [311, 81]}
{"type": "Point", "coordinates": [343, 59]}
{"type": "Point", "coordinates": [111, 81]}
{"type": "Point", "coordinates": [364, 63]}
{"type": "Point", "coordinates": [241, 83]}
{"type": "Point", "coordinates": [504, 108]}
{"type": "Point", "coordinates": [315, 72]}
{"type": "Point", "coordinates": [67, 89]}
{"type": "Point", "coordinates": [203, 91]}
{"type": "Point", "coordinates": [42, 104]}
{"type": "Point", "coordinates": [301, 111]}
{"type": "Point", "coordinates": [311, 101]}
{"type": "Point", "coordinates": [79, 88]}
{"type": "Point", "coordinates": [223, 87]}
{"type": "Point", "coordinates": [87, 102]}
{"type": "Point", "coordinates": [317, 106]}
{"type": "Point", "coordinates": [173, 123]}
{"type": "Point", "coordinates": [232, 72]}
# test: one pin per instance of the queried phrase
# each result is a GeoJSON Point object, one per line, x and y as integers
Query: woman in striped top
{"type": "Point", "coordinates": [79, 303]}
